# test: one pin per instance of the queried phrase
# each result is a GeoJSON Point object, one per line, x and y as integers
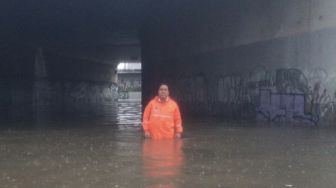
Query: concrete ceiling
{"type": "Point", "coordinates": [100, 30]}
{"type": "Point", "coordinates": [71, 21]}
{"type": "Point", "coordinates": [93, 29]}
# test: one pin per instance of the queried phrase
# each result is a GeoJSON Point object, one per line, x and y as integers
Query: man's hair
{"type": "Point", "coordinates": [163, 83]}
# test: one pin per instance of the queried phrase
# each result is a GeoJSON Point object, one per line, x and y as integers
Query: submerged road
{"type": "Point", "coordinates": [110, 151]}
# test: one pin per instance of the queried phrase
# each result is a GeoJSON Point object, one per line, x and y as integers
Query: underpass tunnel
{"type": "Point", "coordinates": [53, 82]}
{"type": "Point", "coordinates": [60, 63]}
{"type": "Point", "coordinates": [237, 60]}
{"type": "Point", "coordinates": [225, 59]}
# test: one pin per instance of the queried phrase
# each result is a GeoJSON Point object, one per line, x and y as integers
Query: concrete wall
{"type": "Point", "coordinates": [219, 56]}
{"type": "Point", "coordinates": [36, 82]}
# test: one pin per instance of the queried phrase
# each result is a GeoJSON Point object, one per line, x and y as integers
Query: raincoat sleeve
{"type": "Point", "coordinates": [178, 120]}
{"type": "Point", "coordinates": [146, 116]}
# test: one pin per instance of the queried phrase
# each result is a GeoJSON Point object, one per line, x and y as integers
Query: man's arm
{"type": "Point", "coordinates": [145, 119]}
{"type": "Point", "coordinates": [178, 122]}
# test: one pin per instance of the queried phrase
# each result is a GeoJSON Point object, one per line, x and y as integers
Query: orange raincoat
{"type": "Point", "coordinates": [162, 119]}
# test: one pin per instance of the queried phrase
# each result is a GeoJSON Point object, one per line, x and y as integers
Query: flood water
{"type": "Point", "coordinates": [109, 151]}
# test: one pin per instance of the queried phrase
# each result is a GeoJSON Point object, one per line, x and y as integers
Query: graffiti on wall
{"type": "Point", "coordinates": [290, 81]}
{"type": "Point", "coordinates": [216, 95]}
{"type": "Point", "coordinates": [193, 90]}
{"type": "Point", "coordinates": [48, 92]}
{"type": "Point", "coordinates": [53, 93]}
{"type": "Point", "coordinates": [273, 95]}
{"type": "Point", "coordinates": [284, 107]}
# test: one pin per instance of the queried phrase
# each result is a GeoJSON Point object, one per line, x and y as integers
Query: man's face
{"type": "Point", "coordinates": [163, 92]}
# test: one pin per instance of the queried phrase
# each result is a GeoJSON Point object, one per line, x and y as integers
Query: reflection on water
{"type": "Point", "coordinates": [162, 161]}
{"type": "Point", "coordinates": [129, 112]}
{"type": "Point", "coordinates": [123, 113]}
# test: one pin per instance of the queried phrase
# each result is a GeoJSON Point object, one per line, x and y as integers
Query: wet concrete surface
{"type": "Point", "coordinates": [111, 152]}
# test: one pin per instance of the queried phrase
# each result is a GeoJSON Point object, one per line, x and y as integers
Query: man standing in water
{"type": "Point", "coordinates": [162, 117]}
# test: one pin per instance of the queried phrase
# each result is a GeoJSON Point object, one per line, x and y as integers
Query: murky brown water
{"type": "Point", "coordinates": [111, 152]}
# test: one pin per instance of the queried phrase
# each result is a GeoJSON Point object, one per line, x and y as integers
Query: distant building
{"type": "Point", "coordinates": [129, 79]}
